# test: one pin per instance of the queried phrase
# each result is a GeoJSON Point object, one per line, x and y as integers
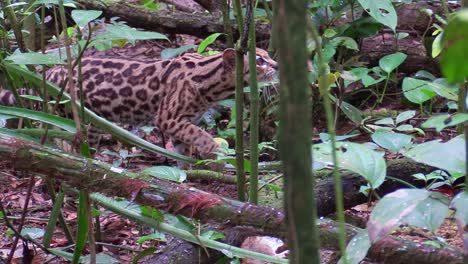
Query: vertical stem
{"type": "Point", "coordinates": [324, 87]}
{"type": "Point", "coordinates": [253, 180]}
{"type": "Point", "coordinates": [227, 26]}
{"type": "Point", "coordinates": [71, 84]}
{"type": "Point", "coordinates": [295, 131]}
{"type": "Point", "coordinates": [239, 107]}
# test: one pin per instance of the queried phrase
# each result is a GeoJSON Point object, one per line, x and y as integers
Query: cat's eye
{"type": "Point", "coordinates": [260, 61]}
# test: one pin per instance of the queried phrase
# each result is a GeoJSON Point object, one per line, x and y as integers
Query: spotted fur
{"type": "Point", "coordinates": [170, 94]}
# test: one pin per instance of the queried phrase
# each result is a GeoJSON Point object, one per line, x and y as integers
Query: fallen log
{"type": "Point", "coordinates": [399, 169]}
{"type": "Point", "coordinates": [197, 24]}
{"type": "Point", "coordinates": [95, 176]}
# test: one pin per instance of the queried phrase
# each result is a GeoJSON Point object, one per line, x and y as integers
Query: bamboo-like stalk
{"type": "Point", "coordinates": [239, 97]}
{"type": "Point", "coordinates": [294, 132]}
{"type": "Point", "coordinates": [254, 111]}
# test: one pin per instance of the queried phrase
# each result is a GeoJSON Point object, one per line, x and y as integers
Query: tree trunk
{"type": "Point", "coordinates": [294, 132]}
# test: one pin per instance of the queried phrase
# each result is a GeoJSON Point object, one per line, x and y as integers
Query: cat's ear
{"type": "Point", "coordinates": [229, 58]}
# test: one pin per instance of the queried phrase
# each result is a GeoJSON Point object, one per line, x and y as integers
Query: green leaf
{"type": "Point", "coordinates": [82, 230]}
{"type": "Point", "coordinates": [166, 172]}
{"type": "Point", "coordinates": [442, 88]}
{"type": "Point", "coordinates": [392, 141]}
{"type": "Point", "coordinates": [406, 115]}
{"type": "Point", "coordinates": [346, 42]}
{"type": "Point", "coordinates": [172, 53]}
{"type": "Point", "coordinates": [16, 134]}
{"type": "Point", "coordinates": [207, 41]}
{"type": "Point", "coordinates": [459, 204]}
{"type": "Point", "coordinates": [357, 248]}
{"type": "Point", "coordinates": [34, 58]}
{"type": "Point", "coordinates": [455, 43]}
{"type": "Point", "coordinates": [382, 11]}
{"type": "Point", "coordinates": [400, 207]}
{"type": "Point", "coordinates": [385, 121]}
{"type": "Point", "coordinates": [58, 121]}
{"type": "Point", "coordinates": [83, 17]}
{"type": "Point", "coordinates": [32, 97]}
{"type": "Point", "coordinates": [390, 62]}
{"type": "Point", "coordinates": [147, 252]}
{"type": "Point", "coordinates": [213, 235]}
{"type": "Point", "coordinates": [405, 128]}
{"type": "Point", "coordinates": [351, 112]}
{"type": "Point", "coordinates": [429, 213]}
{"type": "Point", "coordinates": [125, 32]}
{"type": "Point", "coordinates": [440, 122]}
{"type": "Point", "coordinates": [417, 91]}
{"type": "Point", "coordinates": [401, 35]}
{"type": "Point", "coordinates": [151, 212]}
{"type": "Point", "coordinates": [32, 232]}
{"type": "Point", "coordinates": [449, 156]}
{"type": "Point", "coordinates": [422, 74]}
{"type": "Point", "coordinates": [437, 45]}
{"type": "Point", "coordinates": [158, 236]}
{"type": "Point", "coordinates": [354, 157]}
{"type": "Point", "coordinates": [326, 137]}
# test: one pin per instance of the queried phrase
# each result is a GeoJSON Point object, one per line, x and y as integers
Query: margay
{"type": "Point", "coordinates": [173, 94]}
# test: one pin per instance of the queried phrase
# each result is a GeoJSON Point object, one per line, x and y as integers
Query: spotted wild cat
{"type": "Point", "coordinates": [171, 94]}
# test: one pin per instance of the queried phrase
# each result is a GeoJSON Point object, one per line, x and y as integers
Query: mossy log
{"type": "Point", "coordinates": [96, 176]}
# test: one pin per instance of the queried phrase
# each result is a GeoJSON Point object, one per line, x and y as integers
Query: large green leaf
{"type": "Point", "coordinates": [354, 157]}
{"type": "Point", "coordinates": [58, 121]}
{"type": "Point", "coordinates": [83, 17]}
{"type": "Point", "coordinates": [402, 207]}
{"type": "Point", "coordinates": [449, 156]}
{"type": "Point", "coordinates": [455, 43]}
{"type": "Point", "coordinates": [417, 91]}
{"type": "Point", "coordinates": [382, 11]}
{"type": "Point", "coordinates": [390, 62]}
{"type": "Point", "coordinates": [34, 58]}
